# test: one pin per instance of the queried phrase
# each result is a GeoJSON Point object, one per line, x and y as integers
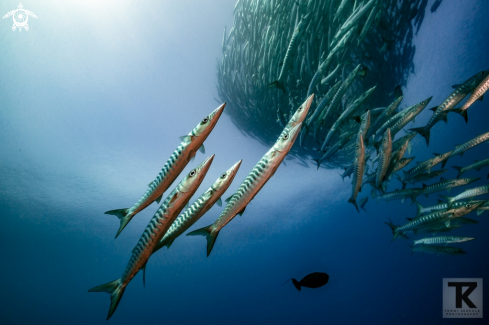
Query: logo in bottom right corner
{"type": "Point", "coordinates": [462, 298]}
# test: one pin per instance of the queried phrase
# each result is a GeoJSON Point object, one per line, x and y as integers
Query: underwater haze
{"type": "Point", "coordinates": [93, 100]}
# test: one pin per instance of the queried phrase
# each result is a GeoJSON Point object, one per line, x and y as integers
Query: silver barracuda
{"type": "Point", "coordinates": [484, 189]}
{"type": "Point", "coordinates": [446, 185]}
{"type": "Point", "coordinates": [359, 166]}
{"type": "Point", "coordinates": [199, 207]}
{"type": "Point", "coordinates": [364, 125]}
{"type": "Point", "coordinates": [384, 158]}
{"type": "Point", "coordinates": [382, 118]}
{"type": "Point", "coordinates": [253, 183]}
{"type": "Point", "coordinates": [344, 138]}
{"type": "Point", "coordinates": [424, 167]}
{"type": "Point", "coordinates": [409, 116]}
{"type": "Point", "coordinates": [421, 177]}
{"type": "Point", "coordinates": [443, 206]}
{"type": "Point", "coordinates": [411, 193]}
{"type": "Point", "coordinates": [438, 250]}
{"type": "Point", "coordinates": [153, 233]}
{"type": "Point", "coordinates": [461, 149]}
{"type": "Point", "coordinates": [432, 219]}
{"type": "Point", "coordinates": [396, 158]}
{"type": "Point", "coordinates": [478, 165]}
{"type": "Point", "coordinates": [403, 162]}
{"type": "Point", "coordinates": [442, 240]}
{"type": "Point", "coordinates": [399, 142]}
{"type": "Point", "coordinates": [438, 228]}
{"type": "Point", "coordinates": [173, 167]}
{"type": "Point", "coordinates": [441, 111]}
{"type": "Point", "coordinates": [477, 94]}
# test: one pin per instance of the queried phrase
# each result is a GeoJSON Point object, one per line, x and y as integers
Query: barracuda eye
{"type": "Point", "coordinates": [299, 109]}
{"type": "Point", "coordinates": [403, 160]}
{"type": "Point", "coordinates": [223, 176]}
{"type": "Point", "coordinates": [383, 140]}
{"type": "Point", "coordinates": [286, 137]}
{"type": "Point", "coordinates": [468, 206]}
{"type": "Point", "coordinates": [205, 120]}
{"type": "Point", "coordinates": [466, 179]}
{"type": "Point", "coordinates": [192, 173]}
{"type": "Point", "coordinates": [357, 146]}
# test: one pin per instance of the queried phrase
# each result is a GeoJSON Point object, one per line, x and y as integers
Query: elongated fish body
{"type": "Point", "coordinates": [359, 166]}
{"type": "Point", "coordinates": [460, 149]}
{"type": "Point", "coordinates": [363, 202]}
{"type": "Point", "coordinates": [399, 195]}
{"type": "Point", "coordinates": [353, 20]}
{"type": "Point", "coordinates": [396, 158]}
{"type": "Point", "coordinates": [155, 230]}
{"type": "Point", "coordinates": [348, 171]}
{"type": "Point", "coordinates": [478, 92]}
{"type": "Point", "coordinates": [433, 218]}
{"type": "Point", "coordinates": [317, 76]}
{"type": "Point", "coordinates": [443, 206]}
{"type": "Point", "coordinates": [437, 228]}
{"type": "Point", "coordinates": [384, 158]}
{"type": "Point", "coordinates": [364, 125]}
{"type": "Point", "coordinates": [422, 177]}
{"type": "Point", "coordinates": [446, 185]}
{"type": "Point", "coordinates": [424, 167]}
{"type": "Point", "coordinates": [442, 240]}
{"type": "Point", "coordinates": [439, 250]}
{"type": "Point", "coordinates": [257, 178]}
{"type": "Point", "coordinates": [334, 148]}
{"type": "Point", "coordinates": [464, 221]}
{"type": "Point", "coordinates": [329, 77]}
{"type": "Point", "coordinates": [449, 103]}
{"type": "Point", "coordinates": [322, 104]}
{"type": "Point", "coordinates": [339, 94]}
{"type": "Point", "coordinates": [403, 162]}
{"type": "Point", "coordinates": [291, 50]}
{"type": "Point", "coordinates": [484, 189]}
{"type": "Point", "coordinates": [173, 167]}
{"type": "Point", "coordinates": [369, 22]}
{"type": "Point", "coordinates": [399, 142]}
{"type": "Point", "coordinates": [382, 118]}
{"type": "Point", "coordinates": [199, 207]}
{"type": "Point", "coordinates": [409, 116]}
{"type": "Point", "coordinates": [478, 165]}
{"type": "Point", "coordinates": [347, 113]}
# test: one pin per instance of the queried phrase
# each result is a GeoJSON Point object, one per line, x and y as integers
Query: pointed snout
{"type": "Point", "coordinates": [217, 112]}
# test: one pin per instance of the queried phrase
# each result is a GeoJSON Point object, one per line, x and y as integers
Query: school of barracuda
{"type": "Point", "coordinates": [326, 48]}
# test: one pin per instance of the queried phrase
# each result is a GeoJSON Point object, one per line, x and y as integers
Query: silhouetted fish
{"type": "Point", "coordinates": [313, 280]}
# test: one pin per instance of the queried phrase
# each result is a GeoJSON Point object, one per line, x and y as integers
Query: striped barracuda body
{"type": "Point", "coordinates": [364, 125]}
{"type": "Point", "coordinates": [442, 240]}
{"type": "Point", "coordinates": [396, 160]}
{"type": "Point", "coordinates": [461, 149]}
{"type": "Point", "coordinates": [199, 207]}
{"type": "Point", "coordinates": [400, 142]}
{"type": "Point", "coordinates": [291, 50]}
{"type": "Point", "coordinates": [443, 206]}
{"type": "Point", "coordinates": [384, 158]}
{"type": "Point", "coordinates": [382, 118]}
{"type": "Point", "coordinates": [257, 178]}
{"type": "Point", "coordinates": [439, 250]}
{"type": "Point", "coordinates": [476, 95]}
{"type": "Point", "coordinates": [409, 116]}
{"type": "Point", "coordinates": [422, 177]}
{"type": "Point", "coordinates": [478, 165]}
{"type": "Point", "coordinates": [434, 218]}
{"type": "Point", "coordinates": [446, 185]}
{"type": "Point", "coordinates": [455, 97]}
{"type": "Point", "coordinates": [437, 228]}
{"type": "Point", "coordinates": [153, 233]}
{"type": "Point", "coordinates": [359, 166]}
{"type": "Point", "coordinates": [424, 166]}
{"type": "Point", "coordinates": [484, 189]}
{"type": "Point", "coordinates": [173, 167]}
{"type": "Point", "coordinates": [344, 138]}
{"type": "Point", "coordinates": [399, 195]}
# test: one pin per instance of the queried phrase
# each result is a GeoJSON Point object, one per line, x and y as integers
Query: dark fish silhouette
{"type": "Point", "coordinates": [313, 280]}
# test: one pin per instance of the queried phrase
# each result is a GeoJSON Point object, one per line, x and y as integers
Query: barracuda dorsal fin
{"type": "Point", "coordinates": [158, 199]}
{"type": "Point", "coordinates": [434, 108]}
{"type": "Point", "coordinates": [409, 219]}
{"type": "Point", "coordinates": [228, 199]}
{"type": "Point", "coordinates": [424, 185]}
{"type": "Point", "coordinates": [440, 201]}
{"type": "Point", "coordinates": [442, 179]}
{"type": "Point", "coordinates": [202, 148]}
{"type": "Point", "coordinates": [241, 212]}
{"type": "Point", "coordinates": [150, 183]}
{"type": "Point", "coordinates": [186, 138]}
{"type": "Point", "coordinates": [456, 86]}
{"type": "Point", "coordinates": [219, 202]}
{"type": "Point", "coordinates": [479, 212]}
{"type": "Point", "coordinates": [447, 223]}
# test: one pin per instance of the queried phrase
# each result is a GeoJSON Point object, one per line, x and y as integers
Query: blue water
{"type": "Point", "coordinates": [93, 99]}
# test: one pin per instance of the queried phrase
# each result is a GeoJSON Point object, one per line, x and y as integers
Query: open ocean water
{"type": "Point", "coordinates": [93, 100]}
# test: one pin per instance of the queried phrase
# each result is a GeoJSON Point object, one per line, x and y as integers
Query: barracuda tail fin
{"type": "Point", "coordinates": [400, 180]}
{"type": "Point", "coordinates": [420, 209]}
{"type": "Point", "coordinates": [448, 199]}
{"type": "Point", "coordinates": [296, 284]}
{"type": "Point", "coordinates": [209, 235]}
{"type": "Point", "coordinates": [459, 170]}
{"type": "Point", "coordinates": [354, 201]}
{"type": "Point", "coordinates": [425, 133]}
{"type": "Point", "coordinates": [123, 217]}
{"type": "Point", "coordinates": [462, 113]}
{"type": "Point", "coordinates": [277, 84]}
{"type": "Point", "coordinates": [116, 291]}
{"type": "Point", "coordinates": [395, 232]}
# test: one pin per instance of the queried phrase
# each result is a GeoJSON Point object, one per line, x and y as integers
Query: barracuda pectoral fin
{"type": "Point", "coordinates": [202, 148]}
{"type": "Point", "coordinates": [187, 138]}
{"type": "Point", "coordinates": [479, 212]}
{"type": "Point", "coordinates": [241, 212]}
{"type": "Point", "coordinates": [144, 273]}
{"type": "Point", "coordinates": [219, 202]}
{"type": "Point", "coordinates": [447, 223]}
{"type": "Point", "coordinates": [158, 199]}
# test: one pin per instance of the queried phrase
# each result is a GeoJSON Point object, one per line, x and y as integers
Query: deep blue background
{"type": "Point", "coordinates": [93, 99]}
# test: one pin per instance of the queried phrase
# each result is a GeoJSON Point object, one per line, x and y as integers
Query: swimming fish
{"type": "Point", "coordinates": [439, 250]}
{"type": "Point", "coordinates": [384, 158]}
{"type": "Point", "coordinates": [359, 165]}
{"type": "Point", "coordinates": [477, 165]}
{"type": "Point", "coordinates": [442, 240]}
{"type": "Point", "coordinates": [477, 94]}
{"type": "Point", "coordinates": [461, 149]}
{"type": "Point", "coordinates": [313, 280]}
{"type": "Point", "coordinates": [173, 167]}
{"type": "Point", "coordinates": [484, 189]}
{"type": "Point", "coordinates": [153, 233]}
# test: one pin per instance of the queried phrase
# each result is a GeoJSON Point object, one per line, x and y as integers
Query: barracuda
{"type": "Point", "coordinates": [442, 240]}
{"type": "Point", "coordinates": [476, 95]}
{"type": "Point", "coordinates": [398, 195]}
{"type": "Point", "coordinates": [443, 206]}
{"type": "Point", "coordinates": [424, 166]}
{"type": "Point", "coordinates": [199, 207]}
{"type": "Point", "coordinates": [359, 166]}
{"type": "Point", "coordinates": [439, 250]}
{"type": "Point", "coordinates": [396, 160]}
{"type": "Point", "coordinates": [153, 233]}
{"type": "Point", "coordinates": [466, 194]}
{"type": "Point", "coordinates": [461, 149]}
{"type": "Point", "coordinates": [455, 97]}
{"type": "Point", "coordinates": [432, 219]}
{"type": "Point", "coordinates": [421, 177]}
{"type": "Point", "coordinates": [411, 113]}
{"type": "Point", "coordinates": [173, 167]}
{"type": "Point", "coordinates": [384, 158]}
{"type": "Point", "coordinates": [478, 165]}
{"type": "Point", "coordinates": [386, 113]}
{"type": "Point", "coordinates": [256, 179]}
{"type": "Point", "coordinates": [344, 138]}
{"type": "Point", "coordinates": [446, 185]}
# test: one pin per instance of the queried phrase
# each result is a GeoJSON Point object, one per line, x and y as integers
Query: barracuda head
{"type": "Point", "coordinates": [359, 146]}
{"type": "Point", "coordinates": [477, 78]}
{"type": "Point", "coordinates": [193, 179]}
{"type": "Point", "coordinates": [223, 182]}
{"type": "Point", "coordinates": [299, 115]}
{"type": "Point", "coordinates": [286, 140]}
{"type": "Point", "coordinates": [386, 139]}
{"type": "Point", "coordinates": [467, 208]}
{"type": "Point", "coordinates": [405, 161]}
{"type": "Point", "coordinates": [207, 124]}
{"type": "Point", "coordinates": [364, 121]}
